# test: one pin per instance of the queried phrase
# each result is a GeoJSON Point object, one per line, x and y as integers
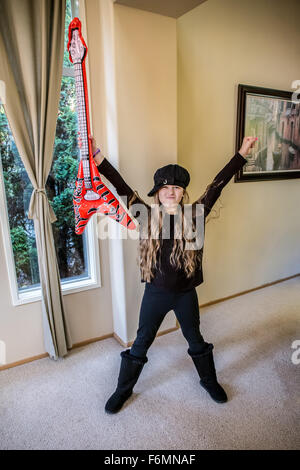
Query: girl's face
{"type": "Point", "coordinates": [170, 195]}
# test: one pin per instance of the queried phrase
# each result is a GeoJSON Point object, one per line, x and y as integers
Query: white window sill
{"type": "Point", "coordinates": [68, 287]}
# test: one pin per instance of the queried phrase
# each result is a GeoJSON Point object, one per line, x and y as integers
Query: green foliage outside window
{"type": "Point", "coordinates": [60, 185]}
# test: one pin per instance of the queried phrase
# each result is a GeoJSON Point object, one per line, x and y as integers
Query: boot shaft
{"type": "Point", "coordinates": [204, 363]}
{"type": "Point", "coordinates": [130, 370]}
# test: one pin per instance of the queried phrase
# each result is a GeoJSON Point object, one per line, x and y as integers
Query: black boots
{"type": "Point", "coordinates": [131, 367]}
{"type": "Point", "coordinates": [205, 366]}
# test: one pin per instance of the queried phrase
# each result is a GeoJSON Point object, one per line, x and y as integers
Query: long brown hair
{"type": "Point", "coordinates": [149, 246]}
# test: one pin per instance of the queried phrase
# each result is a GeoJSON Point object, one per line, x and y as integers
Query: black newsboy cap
{"type": "Point", "coordinates": [170, 174]}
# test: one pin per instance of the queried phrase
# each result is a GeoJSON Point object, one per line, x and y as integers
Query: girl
{"type": "Point", "coordinates": [170, 270]}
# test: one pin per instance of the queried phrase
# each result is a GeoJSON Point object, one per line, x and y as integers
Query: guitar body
{"type": "Point", "coordinates": [106, 203]}
{"type": "Point", "coordinates": [91, 195]}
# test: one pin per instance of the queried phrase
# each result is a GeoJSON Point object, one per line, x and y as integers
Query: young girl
{"type": "Point", "coordinates": [170, 270]}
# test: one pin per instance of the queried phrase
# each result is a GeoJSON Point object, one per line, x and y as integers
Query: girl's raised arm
{"type": "Point", "coordinates": [214, 189]}
{"type": "Point", "coordinates": [108, 170]}
{"type": "Point", "coordinates": [114, 177]}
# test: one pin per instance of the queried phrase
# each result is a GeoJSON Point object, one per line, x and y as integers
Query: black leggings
{"type": "Point", "coordinates": [156, 303]}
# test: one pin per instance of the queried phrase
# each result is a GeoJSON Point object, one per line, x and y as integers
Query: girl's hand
{"type": "Point", "coordinates": [99, 157]}
{"type": "Point", "coordinates": [248, 143]}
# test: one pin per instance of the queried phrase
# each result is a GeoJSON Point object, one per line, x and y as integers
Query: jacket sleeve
{"type": "Point", "coordinates": [214, 189]}
{"type": "Point", "coordinates": [114, 177]}
{"type": "Point", "coordinates": [132, 197]}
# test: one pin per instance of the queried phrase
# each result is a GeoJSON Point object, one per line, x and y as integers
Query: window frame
{"type": "Point", "coordinates": [68, 286]}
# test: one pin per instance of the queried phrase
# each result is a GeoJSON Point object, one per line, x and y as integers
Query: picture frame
{"type": "Point", "coordinates": [274, 118]}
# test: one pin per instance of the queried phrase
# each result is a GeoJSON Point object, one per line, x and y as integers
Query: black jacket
{"type": "Point", "coordinates": [168, 278]}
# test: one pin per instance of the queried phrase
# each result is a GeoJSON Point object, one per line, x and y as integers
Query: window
{"type": "Point", "coordinates": [77, 255]}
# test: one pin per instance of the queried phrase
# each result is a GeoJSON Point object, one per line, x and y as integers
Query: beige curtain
{"type": "Point", "coordinates": [31, 57]}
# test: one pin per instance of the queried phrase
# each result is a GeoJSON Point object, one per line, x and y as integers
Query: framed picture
{"type": "Point", "coordinates": [274, 118]}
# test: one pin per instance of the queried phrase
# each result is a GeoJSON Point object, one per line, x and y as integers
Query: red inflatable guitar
{"type": "Point", "coordinates": [90, 194]}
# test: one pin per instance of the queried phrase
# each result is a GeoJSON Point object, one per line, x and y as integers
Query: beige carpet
{"type": "Point", "coordinates": [60, 405]}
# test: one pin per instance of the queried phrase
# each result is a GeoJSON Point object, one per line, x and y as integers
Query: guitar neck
{"type": "Point", "coordinates": [82, 123]}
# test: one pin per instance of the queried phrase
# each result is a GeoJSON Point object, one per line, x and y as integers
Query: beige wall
{"type": "Point", "coordinates": [146, 65]}
{"type": "Point", "coordinates": [222, 44]}
{"type": "Point", "coordinates": [89, 314]}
